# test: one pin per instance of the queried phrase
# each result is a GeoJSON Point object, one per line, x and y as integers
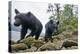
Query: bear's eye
{"type": "Point", "coordinates": [18, 16]}
{"type": "Point", "coordinates": [17, 19]}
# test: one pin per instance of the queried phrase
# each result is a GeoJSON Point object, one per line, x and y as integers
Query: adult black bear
{"type": "Point", "coordinates": [28, 21]}
{"type": "Point", "coordinates": [51, 28]}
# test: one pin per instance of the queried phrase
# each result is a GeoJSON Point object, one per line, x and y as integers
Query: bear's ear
{"type": "Point", "coordinates": [51, 21]}
{"type": "Point", "coordinates": [16, 11]}
{"type": "Point", "coordinates": [28, 14]}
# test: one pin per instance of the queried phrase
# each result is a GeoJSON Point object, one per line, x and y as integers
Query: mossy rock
{"type": "Point", "coordinates": [47, 46]}
{"type": "Point", "coordinates": [38, 43]}
{"type": "Point", "coordinates": [59, 37]}
{"type": "Point", "coordinates": [74, 47]}
{"type": "Point", "coordinates": [12, 42]}
{"type": "Point", "coordinates": [67, 34]}
{"type": "Point", "coordinates": [32, 49]}
{"type": "Point", "coordinates": [69, 43]}
{"type": "Point", "coordinates": [75, 38]}
{"type": "Point", "coordinates": [20, 46]}
{"type": "Point", "coordinates": [56, 37]}
{"type": "Point", "coordinates": [28, 41]}
{"type": "Point", "coordinates": [42, 39]}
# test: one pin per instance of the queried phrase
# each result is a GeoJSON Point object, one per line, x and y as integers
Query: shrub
{"type": "Point", "coordinates": [69, 24]}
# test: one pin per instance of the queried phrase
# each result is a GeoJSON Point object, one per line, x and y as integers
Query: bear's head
{"type": "Point", "coordinates": [17, 18]}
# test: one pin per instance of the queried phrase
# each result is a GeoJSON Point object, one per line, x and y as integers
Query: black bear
{"type": "Point", "coordinates": [51, 28]}
{"type": "Point", "coordinates": [28, 21]}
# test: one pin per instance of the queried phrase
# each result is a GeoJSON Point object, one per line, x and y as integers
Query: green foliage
{"type": "Point", "coordinates": [69, 24]}
{"type": "Point", "coordinates": [68, 20]}
{"type": "Point", "coordinates": [57, 10]}
{"type": "Point", "coordinates": [50, 8]}
{"type": "Point", "coordinates": [67, 11]}
{"type": "Point", "coordinates": [67, 17]}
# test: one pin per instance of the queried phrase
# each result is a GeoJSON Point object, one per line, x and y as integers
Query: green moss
{"type": "Point", "coordinates": [28, 41]}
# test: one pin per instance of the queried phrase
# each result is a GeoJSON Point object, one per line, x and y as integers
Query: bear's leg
{"type": "Point", "coordinates": [48, 36]}
{"type": "Point", "coordinates": [46, 39]}
{"type": "Point", "coordinates": [37, 34]}
{"type": "Point", "coordinates": [31, 34]}
{"type": "Point", "coordinates": [51, 39]}
{"type": "Point", "coordinates": [23, 33]}
{"type": "Point", "coordinates": [38, 31]}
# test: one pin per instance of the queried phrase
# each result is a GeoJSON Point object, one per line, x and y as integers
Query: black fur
{"type": "Point", "coordinates": [28, 21]}
{"type": "Point", "coordinates": [51, 28]}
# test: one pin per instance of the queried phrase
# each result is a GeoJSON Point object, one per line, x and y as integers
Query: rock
{"type": "Point", "coordinates": [48, 46]}
{"type": "Point", "coordinates": [63, 48]}
{"type": "Point", "coordinates": [20, 51]}
{"type": "Point", "coordinates": [74, 47]}
{"type": "Point", "coordinates": [75, 32]}
{"type": "Point", "coordinates": [67, 34]}
{"type": "Point", "coordinates": [17, 47]}
{"type": "Point", "coordinates": [38, 43]}
{"type": "Point", "coordinates": [56, 37]}
{"type": "Point", "coordinates": [69, 43]}
{"type": "Point", "coordinates": [42, 39]}
{"type": "Point", "coordinates": [59, 37]}
{"type": "Point", "coordinates": [32, 49]}
{"type": "Point", "coordinates": [12, 42]}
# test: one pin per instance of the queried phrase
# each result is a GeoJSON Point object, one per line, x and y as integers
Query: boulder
{"type": "Point", "coordinates": [28, 41]}
{"type": "Point", "coordinates": [38, 43]}
{"type": "Point", "coordinates": [17, 47]}
{"type": "Point", "coordinates": [69, 43]}
{"type": "Point", "coordinates": [48, 46]}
